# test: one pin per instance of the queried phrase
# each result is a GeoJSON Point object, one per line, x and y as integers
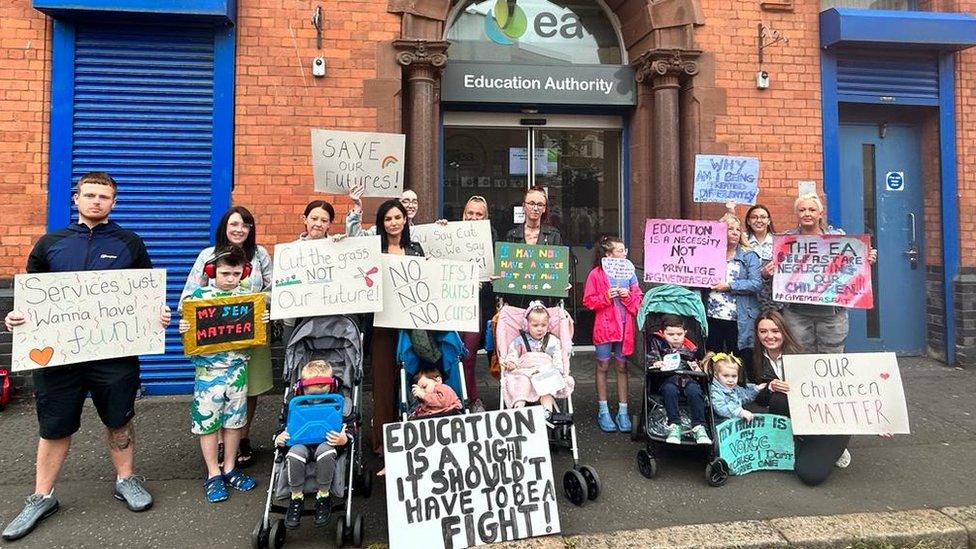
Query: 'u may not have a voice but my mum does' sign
{"type": "Point", "coordinates": [428, 293]}
{"type": "Point", "coordinates": [341, 160]}
{"type": "Point", "coordinates": [87, 315]}
{"type": "Point", "coordinates": [846, 394]}
{"type": "Point", "coordinates": [687, 253]}
{"type": "Point", "coordinates": [461, 240]}
{"type": "Point", "coordinates": [468, 480]}
{"type": "Point", "coordinates": [324, 277]}
{"type": "Point", "coordinates": [823, 270]}
{"type": "Point", "coordinates": [528, 269]}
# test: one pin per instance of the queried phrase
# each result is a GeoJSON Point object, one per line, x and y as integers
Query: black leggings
{"type": "Point", "coordinates": [815, 454]}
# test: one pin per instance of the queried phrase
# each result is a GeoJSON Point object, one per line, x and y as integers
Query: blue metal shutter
{"type": "Point", "coordinates": [143, 112]}
{"type": "Point", "coordinates": [898, 77]}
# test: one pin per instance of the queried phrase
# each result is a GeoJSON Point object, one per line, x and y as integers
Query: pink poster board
{"type": "Point", "coordinates": [683, 252]}
{"type": "Point", "coordinates": [823, 270]}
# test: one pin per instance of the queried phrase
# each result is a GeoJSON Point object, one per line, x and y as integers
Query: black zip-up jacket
{"type": "Point", "coordinates": [80, 248]}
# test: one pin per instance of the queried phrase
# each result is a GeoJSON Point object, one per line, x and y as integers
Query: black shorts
{"type": "Point", "coordinates": [60, 394]}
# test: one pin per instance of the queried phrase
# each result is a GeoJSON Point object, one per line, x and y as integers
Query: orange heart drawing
{"type": "Point", "coordinates": [42, 356]}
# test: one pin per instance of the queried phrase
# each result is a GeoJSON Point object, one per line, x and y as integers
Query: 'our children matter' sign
{"type": "Point", "coordinates": [687, 253]}
{"type": "Point", "coordinates": [529, 269]}
{"type": "Point", "coordinates": [341, 160]}
{"type": "Point", "coordinates": [462, 240]}
{"type": "Point", "coordinates": [823, 270]}
{"type": "Point", "coordinates": [846, 394]}
{"type": "Point", "coordinates": [469, 480]}
{"type": "Point", "coordinates": [428, 293]}
{"type": "Point", "coordinates": [223, 323]}
{"type": "Point", "coordinates": [325, 277]}
{"type": "Point", "coordinates": [87, 315]}
{"type": "Point", "coordinates": [763, 444]}
{"type": "Point", "coordinates": [726, 179]}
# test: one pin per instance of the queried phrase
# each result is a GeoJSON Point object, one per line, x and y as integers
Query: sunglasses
{"type": "Point", "coordinates": [477, 198]}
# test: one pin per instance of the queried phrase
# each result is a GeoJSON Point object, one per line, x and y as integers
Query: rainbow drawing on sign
{"type": "Point", "coordinates": [389, 160]}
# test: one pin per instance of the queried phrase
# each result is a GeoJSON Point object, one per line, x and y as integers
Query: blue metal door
{"type": "Point", "coordinates": [881, 186]}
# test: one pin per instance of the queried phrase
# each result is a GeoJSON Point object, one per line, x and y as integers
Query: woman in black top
{"type": "Point", "coordinates": [535, 204]}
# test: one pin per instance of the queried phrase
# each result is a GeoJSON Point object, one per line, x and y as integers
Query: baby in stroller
{"type": "Point", "coordinates": [315, 379]}
{"type": "Point", "coordinates": [534, 365]}
{"type": "Point", "coordinates": [432, 394]}
{"type": "Point", "coordinates": [669, 350]}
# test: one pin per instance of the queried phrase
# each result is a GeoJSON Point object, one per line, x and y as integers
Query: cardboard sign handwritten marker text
{"type": "Point", "coordinates": [341, 160]}
{"type": "Point", "coordinates": [428, 293]}
{"type": "Point", "coordinates": [726, 179]}
{"type": "Point", "coordinates": [459, 240]}
{"type": "Point", "coordinates": [763, 444]}
{"type": "Point", "coordinates": [223, 324]}
{"type": "Point", "coordinates": [528, 269]}
{"type": "Point", "coordinates": [686, 253]}
{"type": "Point", "coordinates": [823, 270]}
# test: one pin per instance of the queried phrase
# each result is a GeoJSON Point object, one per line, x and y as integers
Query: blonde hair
{"type": "Point", "coordinates": [730, 218]}
{"type": "Point", "coordinates": [815, 198]}
{"type": "Point", "coordinates": [713, 360]}
{"type": "Point", "coordinates": [316, 368]}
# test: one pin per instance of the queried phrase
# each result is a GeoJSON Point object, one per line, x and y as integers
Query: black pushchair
{"type": "Point", "coordinates": [651, 424]}
{"type": "Point", "coordinates": [337, 340]}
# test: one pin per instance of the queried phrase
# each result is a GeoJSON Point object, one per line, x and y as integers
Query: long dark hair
{"type": "Point", "coordinates": [769, 226]}
{"type": "Point", "coordinates": [381, 228]}
{"type": "Point", "coordinates": [250, 245]}
{"type": "Point", "coordinates": [790, 345]}
{"type": "Point", "coordinates": [320, 204]}
{"type": "Point", "coordinates": [603, 248]}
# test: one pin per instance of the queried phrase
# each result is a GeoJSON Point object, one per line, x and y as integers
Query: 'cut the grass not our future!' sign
{"type": "Point", "coordinates": [726, 179]}
{"type": "Point", "coordinates": [529, 269]}
{"type": "Point", "coordinates": [223, 323]}
{"type": "Point", "coordinates": [341, 160]}
{"type": "Point", "coordinates": [846, 394]}
{"type": "Point", "coordinates": [87, 315]}
{"type": "Point", "coordinates": [686, 253]}
{"type": "Point", "coordinates": [823, 270]}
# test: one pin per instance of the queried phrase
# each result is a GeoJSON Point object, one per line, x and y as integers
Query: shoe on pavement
{"type": "Point", "coordinates": [606, 422]}
{"type": "Point", "coordinates": [240, 481]}
{"type": "Point", "coordinates": [293, 516]}
{"type": "Point", "coordinates": [323, 511]}
{"type": "Point", "coordinates": [37, 508]}
{"type": "Point", "coordinates": [674, 434]}
{"type": "Point", "coordinates": [701, 435]}
{"type": "Point", "coordinates": [623, 423]}
{"type": "Point", "coordinates": [133, 493]}
{"type": "Point", "coordinates": [215, 489]}
{"type": "Point", "coordinates": [844, 460]}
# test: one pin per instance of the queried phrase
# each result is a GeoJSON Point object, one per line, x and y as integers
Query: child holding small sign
{"type": "Point", "coordinates": [613, 294]}
{"type": "Point", "coordinates": [727, 395]}
{"type": "Point", "coordinates": [669, 349]}
{"type": "Point", "coordinates": [220, 385]}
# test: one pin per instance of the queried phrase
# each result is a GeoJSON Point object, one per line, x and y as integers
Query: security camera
{"type": "Point", "coordinates": [762, 80]}
{"type": "Point", "coordinates": [318, 66]}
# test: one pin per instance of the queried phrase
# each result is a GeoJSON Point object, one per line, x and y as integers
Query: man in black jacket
{"type": "Point", "coordinates": [92, 244]}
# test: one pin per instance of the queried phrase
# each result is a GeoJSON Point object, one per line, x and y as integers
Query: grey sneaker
{"type": "Point", "coordinates": [36, 508]}
{"type": "Point", "coordinates": [133, 493]}
{"type": "Point", "coordinates": [844, 460]}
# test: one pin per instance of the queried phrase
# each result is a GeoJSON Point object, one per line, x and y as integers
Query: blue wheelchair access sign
{"type": "Point", "coordinates": [895, 181]}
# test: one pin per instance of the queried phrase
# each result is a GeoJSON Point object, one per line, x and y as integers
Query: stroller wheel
{"type": "Point", "coordinates": [637, 431]}
{"type": "Point", "coordinates": [276, 536]}
{"type": "Point", "coordinates": [357, 531]}
{"type": "Point", "coordinates": [340, 534]}
{"type": "Point", "coordinates": [259, 536]}
{"type": "Point", "coordinates": [593, 484]}
{"type": "Point", "coordinates": [367, 483]}
{"type": "Point", "coordinates": [717, 472]}
{"type": "Point", "coordinates": [574, 486]}
{"type": "Point", "coordinates": [646, 464]}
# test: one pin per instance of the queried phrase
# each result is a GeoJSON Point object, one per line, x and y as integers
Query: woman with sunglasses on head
{"type": "Point", "coordinates": [354, 217]}
{"type": "Point", "coordinates": [237, 228]}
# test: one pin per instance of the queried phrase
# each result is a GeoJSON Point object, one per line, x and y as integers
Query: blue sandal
{"type": "Point", "coordinates": [216, 489]}
{"type": "Point", "coordinates": [240, 481]}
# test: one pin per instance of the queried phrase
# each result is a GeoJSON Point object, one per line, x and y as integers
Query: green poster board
{"type": "Point", "coordinates": [527, 269]}
{"type": "Point", "coordinates": [763, 444]}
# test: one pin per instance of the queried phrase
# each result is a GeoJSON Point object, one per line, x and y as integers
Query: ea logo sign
{"type": "Point", "coordinates": [505, 23]}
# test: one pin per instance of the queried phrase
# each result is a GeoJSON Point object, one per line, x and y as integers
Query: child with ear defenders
{"type": "Point", "coordinates": [220, 383]}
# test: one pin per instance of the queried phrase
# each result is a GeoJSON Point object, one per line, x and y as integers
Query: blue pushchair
{"type": "Point", "coordinates": [452, 350]}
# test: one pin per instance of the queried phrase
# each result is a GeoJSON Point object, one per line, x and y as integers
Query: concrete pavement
{"type": "Point", "coordinates": [929, 469]}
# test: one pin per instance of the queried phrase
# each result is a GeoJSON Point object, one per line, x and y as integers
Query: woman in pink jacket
{"type": "Point", "coordinates": [614, 297]}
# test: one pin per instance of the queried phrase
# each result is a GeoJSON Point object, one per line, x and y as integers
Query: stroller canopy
{"type": "Point", "coordinates": [452, 350]}
{"type": "Point", "coordinates": [332, 338]}
{"type": "Point", "coordinates": [676, 300]}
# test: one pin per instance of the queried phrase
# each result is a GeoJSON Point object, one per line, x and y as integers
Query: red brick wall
{"type": "Point", "coordinates": [966, 146]}
{"type": "Point", "coordinates": [24, 115]}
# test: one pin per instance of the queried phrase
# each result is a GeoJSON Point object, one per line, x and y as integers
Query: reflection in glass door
{"type": "Point", "coordinates": [579, 167]}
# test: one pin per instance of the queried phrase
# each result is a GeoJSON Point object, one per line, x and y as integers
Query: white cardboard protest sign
{"type": "Point", "coordinates": [428, 293]}
{"type": "Point", "coordinates": [87, 315]}
{"type": "Point", "coordinates": [846, 394]}
{"type": "Point", "coordinates": [461, 240]}
{"type": "Point", "coordinates": [469, 480]}
{"type": "Point", "coordinates": [341, 160]}
{"type": "Point", "coordinates": [618, 268]}
{"type": "Point", "coordinates": [325, 277]}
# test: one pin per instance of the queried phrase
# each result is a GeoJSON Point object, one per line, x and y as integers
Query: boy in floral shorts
{"type": "Point", "coordinates": [220, 385]}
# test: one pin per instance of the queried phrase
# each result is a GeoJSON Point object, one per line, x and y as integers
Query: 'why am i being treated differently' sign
{"type": "Point", "coordinates": [823, 270]}
{"type": "Point", "coordinates": [461, 240]}
{"type": "Point", "coordinates": [469, 480]}
{"type": "Point", "coordinates": [88, 315]}
{"type": "Point", "coordinates": [324, 277]}
{"type": "Point", "coordinates": [529, 269]}
{"type": "Point", "coordinates": [687, 253]}
{"type": "Point", "coordinates": [223, 323]}
{"type": "Point", "coordinates": [726, 179]}
{"type": "Point", "coordinates": [428, 293]}
{"type": "Point", "coordinates": [763, 444]}
{"type": "Point", "coordinates": [341, 160]}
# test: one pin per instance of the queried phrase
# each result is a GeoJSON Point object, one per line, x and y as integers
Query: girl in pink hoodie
{"type": "Point", "coordinates": [615, 297]}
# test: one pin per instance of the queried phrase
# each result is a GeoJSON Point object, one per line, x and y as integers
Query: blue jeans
{"type": "Point", "coordinates": [670, 391]}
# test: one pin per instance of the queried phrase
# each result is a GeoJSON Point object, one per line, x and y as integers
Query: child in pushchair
{"type": "Point", "coordinates": [438, 360]}
{"type": "Point", "coordinates": [676, 405]}
{"type": "Point", "coordinates": [434, 397]}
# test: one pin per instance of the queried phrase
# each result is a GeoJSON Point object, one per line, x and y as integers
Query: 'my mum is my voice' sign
{"type": "Point", "coordinates": [324, 277]}
{"type": "Point", "coordinates": [726, 179]}
{"type": "Point", "coordinates": [428, 293]}
{"type": "Point", "coordinates": [88, 315]}
{"type": "Point", "coordinates": [341, 160]}
{"type": "Point", "coordinates": [763, 444]}
{"type": "Point", "coordinates": [469, 480]}
{"type": "Point", "coordinates": [846, 394]}
{"type": "Point", "coordinates": [462, 240]}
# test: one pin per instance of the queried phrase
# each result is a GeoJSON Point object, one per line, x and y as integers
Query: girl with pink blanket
{"type": "Point", "coordinates": [534, 369]}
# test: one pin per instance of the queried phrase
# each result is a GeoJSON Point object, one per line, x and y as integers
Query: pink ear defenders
{"type": "Point", "coordinates": [333, 382]}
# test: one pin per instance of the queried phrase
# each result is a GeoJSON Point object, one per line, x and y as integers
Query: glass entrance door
{"type": "Point", "coordinates": [577, 160]}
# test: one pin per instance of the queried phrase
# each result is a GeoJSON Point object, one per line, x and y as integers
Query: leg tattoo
{"type": "Point", "coordinates": [121, 438]}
